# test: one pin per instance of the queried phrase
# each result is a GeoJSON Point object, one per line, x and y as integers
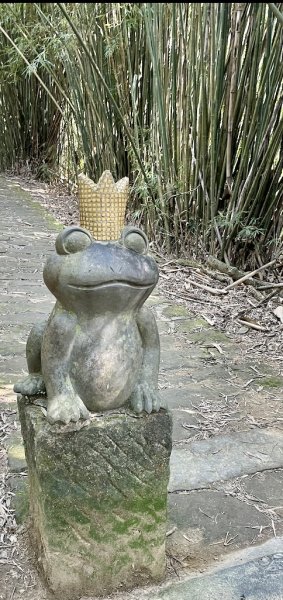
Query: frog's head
{"type": "Point", "coordinates": [90, 277]}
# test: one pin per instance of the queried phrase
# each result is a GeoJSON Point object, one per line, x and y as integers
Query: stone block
{"type": "Point", "coordinates": [16, 454]}
{"type": "Point", "coordinates": [18, 485]}
{"type": "Point", "coordinates": [98, 499]}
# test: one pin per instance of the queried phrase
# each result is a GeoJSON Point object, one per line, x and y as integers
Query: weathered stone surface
{"type": "Point", "coordinates": [267, 487]}
{"type": "Point", "coordinates": [98, 496]}
{"type": "Point", "coordinates": [259, 579]}
{"type": "Point", "coordinates": [210, 523]}
{"type": "Point", "coordinates": [175, 310]}
{"type": "Point", "coordinates": [100, 349]}
{"type": "Point", "coordinates": [187, 397]}
{"type": "Point", "coordinates": [15, 453]}
{"type": "Point", "coordinates": [223, 457]}
{"type": "Point", "coordinates": [18, 485]}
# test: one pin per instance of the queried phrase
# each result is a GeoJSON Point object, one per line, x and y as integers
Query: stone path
{"type": "Point", "coordinates": [225, 489]}
{"type": "Point", "coordinates": [254, 574]}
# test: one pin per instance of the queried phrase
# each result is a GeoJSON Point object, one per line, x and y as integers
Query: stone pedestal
{"type": "Point", "coordinates": [98, 499]}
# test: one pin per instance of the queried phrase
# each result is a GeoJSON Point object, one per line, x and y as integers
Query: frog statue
{"type": "Point", "coordinates": [99, 349]}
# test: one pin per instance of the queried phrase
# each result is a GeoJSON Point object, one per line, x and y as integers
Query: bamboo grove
{"type": "Point", "coordinates": [184, 98]}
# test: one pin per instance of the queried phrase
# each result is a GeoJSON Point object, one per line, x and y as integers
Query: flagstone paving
{"type": "Point", "coordinates": [225, 490]}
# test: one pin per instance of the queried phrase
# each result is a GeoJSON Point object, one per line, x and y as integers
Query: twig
{"type": "Point", "coordinates": [263, 301]}
{"type": "Point", "coordinates": [211, 290]}
{"type": "Point", "coordinates": [273, 527]}
{"type": "Point", "coordinates": [177, 560]}
{"type": "Point", "coordinates": [250, 275]}
{"type": "Point", "coordinates": [253, 456]}
{"type": "Point", "coordinates": [11, 562]}
{"type": "Point", "coordinates": [168, 262]}
{"type": "Point", "coordinates": [207, 319]}
{"type": "Point", "coordinates": [206, 515]}
{"type": "Point", "coordinates": [229, 541]}
{"type": "Point", "coordinates": [251, 325]}
{"type": "Point", "coordinates": [235, 273]}
{"type": "Point", "coordinates": [216, 543]}
{"type": "Point", "coordinates": [186, 296]}
{"type": "Point", "coordinates": [217, 346]}
{"type": "Point", "coordinates": [171, 531]}
{"type": "Point", "coordinates": [255, 370]}
{"type": "Point", "coordinates": [12, 593]}
{"type": "Point", "coordinates": [253, 379]}
{"type": "Point", "coordinates": [260, 527]}
{"type": "Point", "coordinates": [269, 286]}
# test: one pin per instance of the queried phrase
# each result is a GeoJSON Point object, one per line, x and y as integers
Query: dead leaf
{"type": "Point", "coordinates": [279, 313]}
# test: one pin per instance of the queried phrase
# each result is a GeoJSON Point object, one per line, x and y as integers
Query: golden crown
{"type": "Point", "coordinates": [102, 205]}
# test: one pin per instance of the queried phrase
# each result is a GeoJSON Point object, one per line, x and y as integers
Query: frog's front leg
{"type": "Point", "coordinates": [145, 394]}
{"type": "Point", "coordinates": [63, 402]}
{"type": "Point", "coordinates": [33, 384]}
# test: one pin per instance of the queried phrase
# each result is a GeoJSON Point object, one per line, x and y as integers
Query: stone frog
{"type": "Point", "coordinates": [99, 349]}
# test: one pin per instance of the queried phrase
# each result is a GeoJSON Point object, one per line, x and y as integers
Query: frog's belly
{"type": "Point", "coordinates": [105, 364]}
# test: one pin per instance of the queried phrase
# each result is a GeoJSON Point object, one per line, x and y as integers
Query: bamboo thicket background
{"type": "Point", "coordinates": [185, 99]}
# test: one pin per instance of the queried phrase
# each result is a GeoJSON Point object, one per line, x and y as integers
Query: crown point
{"type": "Point", "coordinates": [106, 179]}
{"type": "Point", "coordinates": [122, 185]}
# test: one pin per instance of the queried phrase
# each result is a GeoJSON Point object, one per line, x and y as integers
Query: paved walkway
{"type": "Point", "coordinates": [225, 490]}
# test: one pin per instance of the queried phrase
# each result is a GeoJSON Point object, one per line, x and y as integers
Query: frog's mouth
{"type": "Point", "coordinates": [114, 283]}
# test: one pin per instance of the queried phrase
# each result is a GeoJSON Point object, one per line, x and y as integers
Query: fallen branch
{"type": "Point", "coordinates": [228, 540]}
{"type": "Point", "coordinates": [270, 286]}
{"type": "Point", "coordinates": [250, 275]}
{"type": "Point", "coordinates": [214, 275]}
{"type": "Point", "coordinates": [186, 296]}
{"type": "Point", "coordinates": [245, 277]}
{"type": "Point", "coordinates": [211, 290]}
{"type": "Point", "coordinates": [260, 303]}
{"type": "Point", "coordinates": [218, 265]}
{"type": "Point", "coordinates": [214, 345]}
{"type": "Point", "coordinates": [237, 275]}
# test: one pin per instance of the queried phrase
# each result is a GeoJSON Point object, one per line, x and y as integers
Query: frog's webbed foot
{"type": "Point", "coordinates": [31, 386]}
{"type": "Point", "coordinates": [145, 398]}
{"type": "Point", "coordinates": [66, 407]}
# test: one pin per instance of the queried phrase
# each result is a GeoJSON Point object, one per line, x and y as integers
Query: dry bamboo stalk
{"type": "Point", "coordinates": [249, 275]}
{"type": "Point", "coordinates": [269, 286]}
{"type": "Point", "coordinates": [239, 7]}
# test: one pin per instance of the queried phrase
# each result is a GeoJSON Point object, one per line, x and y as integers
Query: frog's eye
{"type": "Point", "coordinates": [134, 239]}
{"type": "Point", "coordinates": [72, 239]}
